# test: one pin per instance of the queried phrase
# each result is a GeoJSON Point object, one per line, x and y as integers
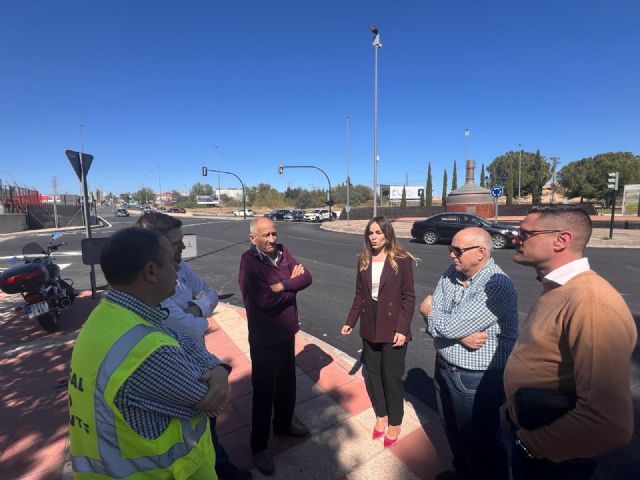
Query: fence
{"type": "Point", "coordinates": [15, 199]}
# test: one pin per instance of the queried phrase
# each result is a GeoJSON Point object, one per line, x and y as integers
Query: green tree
{"type": "Point", "coordinates": [304, 200]}
{"type": "Point", "coordinates": [509, 184]}
{"type": "Point", "coordinates": [145, 195]}
{"type": "Point", "coordinates": [267, 196]}
{"type": "Point", "coordinates": [403, 199]}
{"type": "Point", "coordinates": [444, 188]}
{"type": "Point", "coordinates": [540, 176]}
{"type": "Point", "coordinates": [454, 177]}
{"type": "Point", "coordinates": [428, 195]}
{"type": "Point", "coordinates": [587, 178]}
{"type": "Point", "coordinates": [498, 171]}
{"type": "Point", "coordinates": [482, 182]}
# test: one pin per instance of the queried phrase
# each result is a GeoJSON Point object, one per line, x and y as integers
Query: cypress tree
{"type": "Point", "coordinates": [403, 199]}
{"type": "Point", "coordinates": [482, 182]}
{"type": "Point", "coordinates": [454, 177]}
{"type": "Point", "coordinates": [444, 188]}
{"type": "Point", "coordinates": [428, 200]}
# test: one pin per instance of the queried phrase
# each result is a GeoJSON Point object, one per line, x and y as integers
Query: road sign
{"type": "Point", "coordinates": [497, 191]}
{"type": "Point", "coordinates": [74, 159]}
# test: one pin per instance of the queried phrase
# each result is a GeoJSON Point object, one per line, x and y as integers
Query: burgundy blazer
{"type": "Point", "coordinates": [396, 302]}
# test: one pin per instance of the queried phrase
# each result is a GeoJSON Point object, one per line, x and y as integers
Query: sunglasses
{"type": "Point", "coordinates": [527, 234]}
{"type": "Point", "coordinates": [457, 251]}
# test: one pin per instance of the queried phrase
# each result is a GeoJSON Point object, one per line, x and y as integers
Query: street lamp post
{"type": "Point", "coordinates": [376, 45]}
{"type": "Point", "coordinates": [205, 170]}
{"type": "Point", "coordinates": [348, 207]}
{"type": "Point", "coordinates": [159, 189]}
{"type": "Point", "coordinates": [330, 202]}
{"type": "Point", "coordinates": [218, 195]}
{"type": "Point", "coordinates": [519, 171]}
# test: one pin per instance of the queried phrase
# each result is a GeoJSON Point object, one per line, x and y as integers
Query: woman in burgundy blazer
{"type": "Point", "coordinates": [384, 302]}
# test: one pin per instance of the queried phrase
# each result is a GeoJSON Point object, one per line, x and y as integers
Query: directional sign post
{"type": "Point", "coordinates": [81, 162]}
{"type": "Point", "coordinates": [496, 193]}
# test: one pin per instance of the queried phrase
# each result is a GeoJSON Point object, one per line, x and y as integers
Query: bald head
{"type": "Point", "coordinates": [261, 222]}
{"type": "Point", "coordinates": [470, 250]}
{"type": "Point", "coordinates": [475, 236]}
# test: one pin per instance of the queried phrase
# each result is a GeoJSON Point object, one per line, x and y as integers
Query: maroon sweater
{"type": "Point", "coordinates": [272, 316]}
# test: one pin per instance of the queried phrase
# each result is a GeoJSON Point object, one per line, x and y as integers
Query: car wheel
{"type": "Point", "coordinates": [430, 237]}
{"type": "Point", "coordinates": [498, 241]}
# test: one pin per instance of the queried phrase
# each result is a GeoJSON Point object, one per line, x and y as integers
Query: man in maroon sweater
{"type": "Point", "coordinates": [270, 278]}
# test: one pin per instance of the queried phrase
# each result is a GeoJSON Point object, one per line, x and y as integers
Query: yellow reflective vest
{"type": "Point", "coordinates": [112, 343]}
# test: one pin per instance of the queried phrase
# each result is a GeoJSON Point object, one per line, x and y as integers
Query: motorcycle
{"type": "Point", "coordinates": [38, 280]}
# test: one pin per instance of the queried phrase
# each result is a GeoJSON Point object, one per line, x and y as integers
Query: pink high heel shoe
{"type": "Point", "coordinates": [388, 442]}
{"type": "Point", "coordinates": [376, 434]}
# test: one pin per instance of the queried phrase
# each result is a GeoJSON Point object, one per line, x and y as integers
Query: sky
{"type": "Point", "coordinates": [163, 88]}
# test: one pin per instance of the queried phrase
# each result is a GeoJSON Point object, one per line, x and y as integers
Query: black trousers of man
{"type": "Point", "coordinates": [273, 376]}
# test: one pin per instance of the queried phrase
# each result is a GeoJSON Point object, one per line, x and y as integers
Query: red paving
{"type": "Point", "coordinates": [34, 415]}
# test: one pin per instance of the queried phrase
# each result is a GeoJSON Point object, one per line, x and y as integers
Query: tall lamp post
{"type": "Point", "coordinates": [205, 170]}
{"type": "Point", "coordinates": [348, 207]}
{"type": "Point", "coordinates": [330, 202]}
{"type": "Point", "coordinates": [519, 170]}
{"type": "Point", "coordinates": [376, 45]}
{"type": "Point", "coordinates": [218, 194]}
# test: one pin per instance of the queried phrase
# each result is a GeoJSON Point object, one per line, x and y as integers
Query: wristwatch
{"type": "Point", "coordinates": [524, 448]}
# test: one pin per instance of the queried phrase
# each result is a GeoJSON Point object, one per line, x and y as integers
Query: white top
{"type": "Point", "coordinates": [190, 289]}
{"type": "Point", "coordinates": [376, 272]}
{"type": "Point", "coordinates": [566, 272]}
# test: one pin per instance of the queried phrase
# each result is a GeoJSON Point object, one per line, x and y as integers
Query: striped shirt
{"type": "Point", "coordinates": [166, 384]}
{"type": "Point", "coordinates": [488, 303]}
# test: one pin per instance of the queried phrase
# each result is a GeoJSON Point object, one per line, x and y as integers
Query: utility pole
{"type": "Point", "coordinates": [555, 161]}
{"type": "Point", "coordinates": [519, 171]}
{"type": "Point", "coordinates": [348, 206]}
{"type": "Point", "coordinates": [54, 186]}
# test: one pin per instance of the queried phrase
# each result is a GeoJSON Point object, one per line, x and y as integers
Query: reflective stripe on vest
{"type": "Point", "coordinates": [111, 462]}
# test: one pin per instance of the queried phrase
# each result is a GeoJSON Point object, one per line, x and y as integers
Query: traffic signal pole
{"type": "Point", "coordinates": [612, 183]}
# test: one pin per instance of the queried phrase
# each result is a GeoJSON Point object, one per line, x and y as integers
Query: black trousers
{"type": "Point", "coordinates": [385, 367]}
{"type": "Point", "coordinates": [273, 376]}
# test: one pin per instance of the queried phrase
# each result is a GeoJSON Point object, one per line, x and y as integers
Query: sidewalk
{"type": "Point", "coordinates": [599, 238]}
{"type": "Point", "coordinates": [331, 399]}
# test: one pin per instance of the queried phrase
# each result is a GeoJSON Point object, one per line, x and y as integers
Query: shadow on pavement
{"type": "Point", "coordinates": [34, 416]}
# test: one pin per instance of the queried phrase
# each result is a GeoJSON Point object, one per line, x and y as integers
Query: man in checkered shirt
{"type": "Point", "coordinates": [473, 319]}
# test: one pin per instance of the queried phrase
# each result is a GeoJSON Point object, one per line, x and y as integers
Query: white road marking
{"type": "Point", "coordinates": [57, 254]}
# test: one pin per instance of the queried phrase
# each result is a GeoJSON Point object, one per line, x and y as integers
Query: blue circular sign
{"type": "Point", "coordinates": [497, 191]}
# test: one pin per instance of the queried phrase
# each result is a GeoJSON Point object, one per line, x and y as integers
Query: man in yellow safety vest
{"type": "Point", "coordinates": [139, 392]}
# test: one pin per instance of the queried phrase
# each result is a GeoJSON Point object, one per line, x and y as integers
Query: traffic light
{"type": "Point", "coordinates": [612, 181]}
{"type": "Point", "coordinates": [204, 171]}
{"type": "Point", "coordinates": [280, 169]}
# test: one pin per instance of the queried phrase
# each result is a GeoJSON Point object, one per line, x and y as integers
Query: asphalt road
{"type": "Point", "coordinates": [331, 259]}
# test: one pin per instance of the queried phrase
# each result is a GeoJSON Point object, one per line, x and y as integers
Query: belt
{"type": "Point", "coordinates": [444, 364]}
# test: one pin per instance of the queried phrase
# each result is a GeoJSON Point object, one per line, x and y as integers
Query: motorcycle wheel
{"type": "Point", "coordinates": [50, 321]}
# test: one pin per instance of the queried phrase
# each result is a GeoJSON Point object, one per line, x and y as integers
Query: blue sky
{"type": "Point", "coordinates": [159, 84]}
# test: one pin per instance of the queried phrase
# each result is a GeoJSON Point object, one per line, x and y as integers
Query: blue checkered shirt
{"type": "Point", "coordinates": [488, 303]}
{"type": "Point", "coordinates": [166, 384]}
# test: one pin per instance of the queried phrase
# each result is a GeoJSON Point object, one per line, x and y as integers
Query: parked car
{"type": "Point", "coordinates": [277, 214]}
{"type": "Point", "coordinates": [295, 216]}
{"type": "Point", "coordinates": [122, 212]}
{"type": "Point", "coordinates": [240, 213]}
{"type": "Point", "coordinates": [444, 226]}
{"type": "Point", "coordinates": [176, 210]}
{"type": "Point", "coordinates": [319, 215]}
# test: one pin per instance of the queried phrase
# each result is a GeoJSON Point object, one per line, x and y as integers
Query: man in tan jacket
{"type": "Point", "coordinates": [567, 379]}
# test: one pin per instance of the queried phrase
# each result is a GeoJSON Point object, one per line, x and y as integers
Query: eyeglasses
{"type": "Point", "coordinates": [527, 234]}
{"type": "Point", "coordinates": [457, 251]}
